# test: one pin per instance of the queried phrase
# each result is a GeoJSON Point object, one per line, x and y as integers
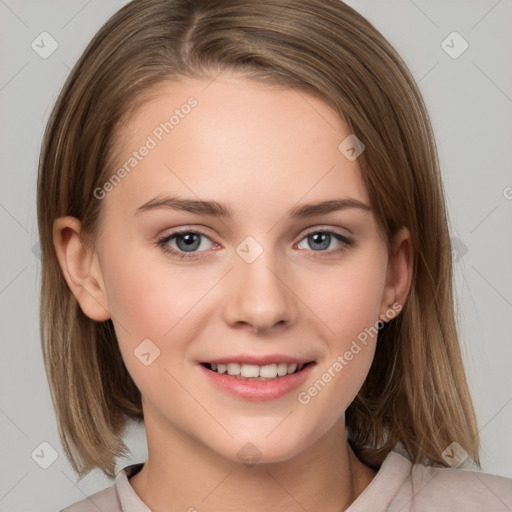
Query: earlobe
{"type": "Point", "coordinates": [81, 269]}
{"type": "Point", "coordinates": [399, 274]}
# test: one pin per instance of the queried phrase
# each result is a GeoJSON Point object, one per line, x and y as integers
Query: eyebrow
{"type": "Point", "coordinates": [217, 209]}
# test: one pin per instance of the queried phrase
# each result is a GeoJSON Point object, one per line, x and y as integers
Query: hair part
{"type": "Point", "coordinates": [416, 391]}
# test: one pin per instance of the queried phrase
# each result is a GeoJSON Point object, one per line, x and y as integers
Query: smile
{"type": "Point", "coordinates": [255, 385]}
{"type": "Point", "coordinates": [253, 371]}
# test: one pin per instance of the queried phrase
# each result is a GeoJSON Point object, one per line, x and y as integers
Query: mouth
{"type": "Point", "coordinates": [257, 378]}
{"type": "Point", "coordinates": [272, 371]}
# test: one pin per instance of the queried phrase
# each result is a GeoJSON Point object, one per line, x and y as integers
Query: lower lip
{"type": "Point", "coordinates": [258, 390]}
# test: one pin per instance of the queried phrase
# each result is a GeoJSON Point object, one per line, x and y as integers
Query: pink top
{"type": "Point", "coordinates": [397, 486]}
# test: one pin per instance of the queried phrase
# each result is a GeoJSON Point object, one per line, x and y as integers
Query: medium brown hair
{"type": "Point", "coordinates": [416, 391]}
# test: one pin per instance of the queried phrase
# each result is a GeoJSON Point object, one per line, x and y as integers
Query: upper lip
{"type": "Point", "coordinates": [258, 360]}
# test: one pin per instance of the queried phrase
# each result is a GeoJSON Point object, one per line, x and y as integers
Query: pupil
{"type": "Point", "coordinates": [321, 238]}
{"type": "Point", "coordinates": [189, 240]}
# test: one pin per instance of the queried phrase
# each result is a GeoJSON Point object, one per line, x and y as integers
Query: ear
{"type": "Point", "coordinates": [81, 269]}
{"type": "Point", "coordinates": [399, 273]}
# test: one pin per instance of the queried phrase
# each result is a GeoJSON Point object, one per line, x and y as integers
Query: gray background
{"type": "Point", "coordinates": [470, 102]}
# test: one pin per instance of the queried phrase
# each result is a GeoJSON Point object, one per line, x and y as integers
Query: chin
{"type": "Point", "coordinates": [260, 450]}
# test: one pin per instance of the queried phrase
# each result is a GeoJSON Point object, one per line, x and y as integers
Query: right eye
{"type": "Point", "coordinates": [186, 243]}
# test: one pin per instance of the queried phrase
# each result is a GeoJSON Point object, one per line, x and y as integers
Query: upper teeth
{"type": "Point", "coordinates": [268, 371]}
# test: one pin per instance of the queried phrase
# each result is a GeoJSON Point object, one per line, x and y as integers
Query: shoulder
{"type": "Point", "coordinates": [450, 489]}
{"type": "Point", "coordinates": [102, 500]}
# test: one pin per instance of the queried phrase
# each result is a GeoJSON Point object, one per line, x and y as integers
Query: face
{"type": "Point", "coordinates": [185, 285]}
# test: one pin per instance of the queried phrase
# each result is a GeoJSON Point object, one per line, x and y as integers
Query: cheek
{"type": "Point", "coordinates": [150, 303]}
{"type": "Point", "coordinates": [350, 308]}
{"type": "Point", "coordinates": [349, 300]}
{"type": "Point", "coordinates": [157, 301]}
{"type": "Point", "coordinates": [150, 297]}
{"type": "Point", "coordinates": [138, 302]}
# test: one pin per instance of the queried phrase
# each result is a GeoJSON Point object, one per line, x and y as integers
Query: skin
{"type": "Point", "coordinates": [261, 150]}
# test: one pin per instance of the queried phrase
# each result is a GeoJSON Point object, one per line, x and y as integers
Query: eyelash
{"type": "Point", "coordinates": [162, 243]}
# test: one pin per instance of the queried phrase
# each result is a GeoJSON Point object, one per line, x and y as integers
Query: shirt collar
{"type": "Point", "coordinates": [130, 501]}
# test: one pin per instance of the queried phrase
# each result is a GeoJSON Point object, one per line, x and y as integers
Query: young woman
{"type": "Point", "coordinates": [245, 246]}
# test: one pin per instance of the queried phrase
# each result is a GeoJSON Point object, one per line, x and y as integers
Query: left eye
{"type": "Point", "coordinates": [321, 240]}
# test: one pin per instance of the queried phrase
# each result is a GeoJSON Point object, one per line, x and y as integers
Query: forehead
{"type": "Point", "coordinates": [235, 139]}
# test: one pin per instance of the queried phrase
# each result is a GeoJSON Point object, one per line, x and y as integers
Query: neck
{"type": "Point", "coordinates": [182, 474]}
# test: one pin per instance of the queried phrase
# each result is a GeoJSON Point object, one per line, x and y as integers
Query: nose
{"type": "Point", "coordinates": [259, 296]}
